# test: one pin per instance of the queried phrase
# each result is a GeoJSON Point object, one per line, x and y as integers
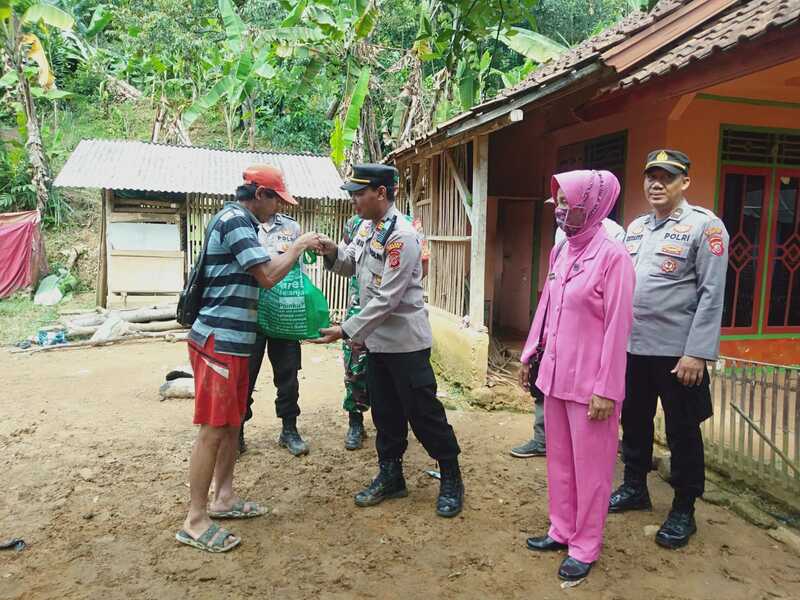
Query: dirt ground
{"type": "Point", "coordinates": [95, 482]}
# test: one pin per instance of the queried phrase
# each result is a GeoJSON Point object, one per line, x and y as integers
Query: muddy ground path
{"type": "Point", "coordinates": [95, 480]}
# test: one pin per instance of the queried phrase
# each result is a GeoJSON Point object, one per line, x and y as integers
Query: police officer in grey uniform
{"type": "Point", "coordinates": [393, 324]}
{"type": "Point", "coordinates": [276, 235]}
{"type": "Point", "coordinates": [680, 253]}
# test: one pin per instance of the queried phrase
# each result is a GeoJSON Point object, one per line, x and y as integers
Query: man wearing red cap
{"type": "Point", "coordinates": [276, 235]}
{"type": "Point", "coordinates": [234, 267]}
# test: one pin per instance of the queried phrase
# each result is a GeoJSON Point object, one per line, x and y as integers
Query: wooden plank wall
{"type": "Point", "coordinates": [438, 205]}
{"type": "Point", "coordinates": [324, 216]}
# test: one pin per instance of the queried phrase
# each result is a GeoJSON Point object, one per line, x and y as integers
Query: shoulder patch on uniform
{"type": "Point", "coordinates": [285, 216]}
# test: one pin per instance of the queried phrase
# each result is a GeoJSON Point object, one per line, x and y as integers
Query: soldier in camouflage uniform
{"type": "Point", "coordinates": [356, 398]}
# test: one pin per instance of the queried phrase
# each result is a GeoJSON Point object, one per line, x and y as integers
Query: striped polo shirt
{"type": "Point", "coordinates": [230, 295]}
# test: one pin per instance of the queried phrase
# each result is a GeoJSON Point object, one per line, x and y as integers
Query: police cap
{"type": "Point", "coordinates": [672, 161]}
{"type": "Point", "coordinates": [371, 174]}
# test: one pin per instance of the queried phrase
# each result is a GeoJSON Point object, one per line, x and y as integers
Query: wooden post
{"type": "Point", "coordinates": [477, 271]}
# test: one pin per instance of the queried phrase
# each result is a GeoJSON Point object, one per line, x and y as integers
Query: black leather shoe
{"type": "Point", "coordinates": [544, 543]}
{"type": "Point", "coordinates": [356, 434]}
{"type": "Point", "coordinates": [451, 490]}
{"type": "Point", "coordinates": [574, 570]}
{"type": "Point", "coordinates": [629, 497]}
{"type": "Point", "coordinates": [529, 450]}
{"type": "Point", "coordinates": [676, 530]}
{"type": "Point", "coordinates": [291, 440]}
{"type": "Point", "coordinates": [242, 445]}
{"type": "Point", "coordinates": [389, 483]}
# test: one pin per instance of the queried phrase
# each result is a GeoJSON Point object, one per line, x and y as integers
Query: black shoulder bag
{"type": "Point", "coordinates": [191, 298]}
{"type": "Point", "coordinates": [536, 359]}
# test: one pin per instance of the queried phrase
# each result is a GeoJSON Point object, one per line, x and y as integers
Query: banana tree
{"type": "Point", "coordinates": [336, 34]}
{"type": "Point", "coordinates": [458, 34]}
{"type": "Point", "coordinates": [238, 69]}
{"type": "Point", "coordinates": [21, 45]}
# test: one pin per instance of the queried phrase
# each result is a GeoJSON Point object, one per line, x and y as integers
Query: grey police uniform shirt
{"type": "Point", "coordinates": [387, 260]}
{"type": "Point", "coordinates": [278, 234]}
{"type": "Point", "coordinates": [681, 265]}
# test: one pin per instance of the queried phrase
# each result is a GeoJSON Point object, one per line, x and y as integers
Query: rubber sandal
{"type": "Point", "coordinates": [211, 540]}
{"type": "Point", "coordinates": [237, 511]}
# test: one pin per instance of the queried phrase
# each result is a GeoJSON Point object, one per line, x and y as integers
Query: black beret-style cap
{"type": "Point", "coordinates": [371, 174]}
{"type": "Point", "coordinates": [674, 161]}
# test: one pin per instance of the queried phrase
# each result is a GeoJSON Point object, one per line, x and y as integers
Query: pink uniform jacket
{"type": "Point", "coordinates": [588, 322]}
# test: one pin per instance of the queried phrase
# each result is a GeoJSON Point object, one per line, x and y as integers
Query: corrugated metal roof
{"type": "Point", "coordinates": [131, 165]}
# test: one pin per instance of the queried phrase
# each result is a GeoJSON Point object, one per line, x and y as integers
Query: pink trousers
{"type": "Point", "coordinates": [580, 472]}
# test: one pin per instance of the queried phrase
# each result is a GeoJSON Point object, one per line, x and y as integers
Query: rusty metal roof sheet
{"type": "Point", "coordinates": [131, 165]}
{"type": "Point", "coordinates": [742, 23]}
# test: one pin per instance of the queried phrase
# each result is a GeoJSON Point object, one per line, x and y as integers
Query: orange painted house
{"type": "Point", "coordinates": [717, 79]}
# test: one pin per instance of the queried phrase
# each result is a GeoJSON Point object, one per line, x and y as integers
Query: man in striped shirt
{"type": "Point", "coordinates": [220, 344]}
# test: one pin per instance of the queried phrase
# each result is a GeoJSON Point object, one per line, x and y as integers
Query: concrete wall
{"type": "Point", "coordinates": [461, 354]}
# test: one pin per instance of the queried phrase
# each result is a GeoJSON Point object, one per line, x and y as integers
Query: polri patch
{"type": "Point", "coordinates": [682, 228]}
{"type": "Point", "coordinates": [710, 231]}
{"type": "Point", "coordinates": [394, 259]}
{"type": "Point", "coordinates": [716, 245]}
{"type": "Point", "coordinates": [669, 266]}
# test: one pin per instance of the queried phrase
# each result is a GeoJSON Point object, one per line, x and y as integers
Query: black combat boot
{"type": "Point", "coordinates": [356, 434]}
{"type": "Point", "coordinates": [451, 490]}
{"type": "Point", "coordinates": [630, 496]}
{"type": "Point", "coordinates": [679, 526]}
{"type": "Point", "coordinates": [389, 483]}
{"type": "Point", "coordinates": [290, 438]}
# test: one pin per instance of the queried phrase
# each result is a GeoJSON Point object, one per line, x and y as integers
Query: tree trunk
{"type": "Point", "coordinates": [251, 125]}
{"type": "Point", "coordinates": [40, 170]}
{"type": "Point", "coordinates": [372, 141]}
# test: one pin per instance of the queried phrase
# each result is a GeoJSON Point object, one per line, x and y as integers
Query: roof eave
{"type": "Point", "coordinates": [475, 122]}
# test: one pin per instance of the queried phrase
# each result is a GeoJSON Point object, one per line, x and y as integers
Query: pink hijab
{"type": "Point", "coordinates": [595, 191]}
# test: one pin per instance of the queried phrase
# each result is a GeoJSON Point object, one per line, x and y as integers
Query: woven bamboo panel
{"type": "Point", "coordinates": [439, 206]}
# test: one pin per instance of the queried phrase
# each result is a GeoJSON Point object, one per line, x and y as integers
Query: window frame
{"type": "Point", "coordinates": [758, 292]}
{"type": "Point", "coordinates": [771, 251]}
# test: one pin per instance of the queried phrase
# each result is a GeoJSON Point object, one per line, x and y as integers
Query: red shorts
{"type": "Point", "coordinates": [221, 385]}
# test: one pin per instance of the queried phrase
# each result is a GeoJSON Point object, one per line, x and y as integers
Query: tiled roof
{"type": "Point", "coordinates": [742, 23]}
{"type": "Point", "coordinates": [130, 165]}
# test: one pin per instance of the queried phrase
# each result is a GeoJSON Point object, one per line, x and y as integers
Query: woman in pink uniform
{"type": "Point", "coordinates": [584, 318]}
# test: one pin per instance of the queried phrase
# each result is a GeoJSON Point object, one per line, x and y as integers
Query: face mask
{"type": "Point", "coordinates": [570, 220]}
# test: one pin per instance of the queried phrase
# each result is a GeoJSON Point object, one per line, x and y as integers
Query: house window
{"type": "Point", "coordinates": [760, 205]}
{"type": "Point", "coordinates": [607, 152]}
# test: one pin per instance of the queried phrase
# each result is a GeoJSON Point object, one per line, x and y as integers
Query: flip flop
{"type": "Point", "coordinates": [237, 511]}
{"type": "Point", "coordinates": [211, 540]}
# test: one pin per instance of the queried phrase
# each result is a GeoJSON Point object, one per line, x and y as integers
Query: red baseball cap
{"type": "Point", "coordinates": [271, 178]}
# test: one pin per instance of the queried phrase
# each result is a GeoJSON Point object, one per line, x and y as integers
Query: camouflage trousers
{"type": "Point", "coordinates": [356, 398]}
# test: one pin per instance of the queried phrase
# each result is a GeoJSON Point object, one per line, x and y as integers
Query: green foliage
{"type": "Point", "coordinates": [16, 190]}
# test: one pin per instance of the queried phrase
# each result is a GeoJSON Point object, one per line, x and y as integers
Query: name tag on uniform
{"type": "Point", "coordinates": [360, 245]}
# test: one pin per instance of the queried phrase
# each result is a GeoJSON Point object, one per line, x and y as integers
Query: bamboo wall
{"type": "Point", "coordinates": [431, 195]}
{"type": "Point", "coordinates": [754, 434]}
{"type": "Point", "coordinates": [324, 216]}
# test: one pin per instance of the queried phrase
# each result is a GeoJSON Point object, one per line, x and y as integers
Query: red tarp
{"type": "Point", "coordinates": [22, 258]}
